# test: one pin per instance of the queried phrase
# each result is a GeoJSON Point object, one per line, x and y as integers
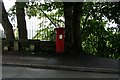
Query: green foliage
{"type": "Point", "coordinates": [45, 34]}
{"type": "Point", "coordinates": [35, 8]}
{"type": "Point", "coordinates": [111, 10]}
{"type": "Point", "coordinates": [47, 12]}
{"type": "Point", "coordinates": [101, 42]}
{"type": "Point", "coordinates": [96, 39]}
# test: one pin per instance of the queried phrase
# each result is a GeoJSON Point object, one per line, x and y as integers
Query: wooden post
{"type": "Point", "coordinates": [32, 47]}
{"type": "Point", "coordinates": [16, 45]}
{"type": "Point", "coordinates": [5, 48]}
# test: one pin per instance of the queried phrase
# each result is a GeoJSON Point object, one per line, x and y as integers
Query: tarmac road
{"type": "Point", "coordinates": [25, 72]}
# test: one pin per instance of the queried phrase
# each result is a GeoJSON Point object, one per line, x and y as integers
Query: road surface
{"type": "Point", "coordinates": [26, 72]}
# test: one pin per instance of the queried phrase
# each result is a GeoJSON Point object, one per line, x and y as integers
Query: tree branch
{"type": "Point", "coordinates": [85, 24]}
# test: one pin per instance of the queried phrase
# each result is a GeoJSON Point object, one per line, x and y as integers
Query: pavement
{"type": "Point", "coordinates": [81, 63]}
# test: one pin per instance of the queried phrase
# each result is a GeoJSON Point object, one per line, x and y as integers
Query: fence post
{"type": "Point", "coordinates": [16, 45]}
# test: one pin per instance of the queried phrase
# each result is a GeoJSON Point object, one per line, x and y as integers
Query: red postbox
{"type": "Point", "coordinates": [59, 40]}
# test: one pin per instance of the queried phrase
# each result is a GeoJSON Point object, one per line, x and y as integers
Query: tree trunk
{"type": "Point", "coordinates": [1, 12]}
{"type": "Point", "coordinates": [8, 28]}
{"type": "Point", "coordinates": [68, 8]}
{"type": "Point", "coordinates": [22, 30]}
{"type": "Point", "coordinates": [73, 14]}
{"type": "Point", "coordinates": [77, 14]}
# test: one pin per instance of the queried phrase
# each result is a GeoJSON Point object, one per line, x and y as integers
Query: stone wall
{"type": "Point", "coordinates": [28, 45]}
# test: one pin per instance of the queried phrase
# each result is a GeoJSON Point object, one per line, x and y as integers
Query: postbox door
{"type": "Point", "coordinates": [60, 40]}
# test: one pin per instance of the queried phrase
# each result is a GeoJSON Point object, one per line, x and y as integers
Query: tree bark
{"type": "Point", "coordinates": [1, 12]}
{"type": "Point", "coordinates": [68, 8]}
{"type": "Point", "coordinates": [84, 25]}
{"type": "Point", "coordinates": [22, 30]}
{"type": "Point", "coordinates": [77, 14]}
{"type": "Point", "coordinates": [73, 14]}
{"type": "Point", "coordinates": [8, 28]}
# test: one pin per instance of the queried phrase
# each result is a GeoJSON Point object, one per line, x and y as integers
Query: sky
{"type": "Point", "coordinates": [8, 4]}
